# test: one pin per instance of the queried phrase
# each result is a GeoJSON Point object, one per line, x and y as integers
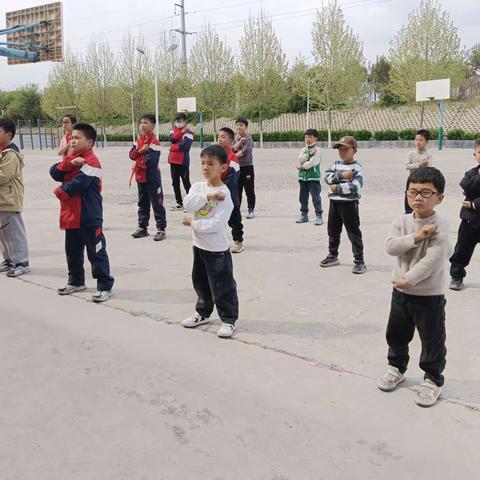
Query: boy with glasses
{"type": "Point", "coordinates": [421, 244]}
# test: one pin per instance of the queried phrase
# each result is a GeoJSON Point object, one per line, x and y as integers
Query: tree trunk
{"type": "Point", "coordinates": [260, 122]}
{"type": "Point", "coordinates": [214, 124]}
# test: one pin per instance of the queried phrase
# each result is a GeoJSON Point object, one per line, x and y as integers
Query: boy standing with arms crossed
{"type": "Point", "coordinates": [420, 157]}
{"type": "Point", "coordinates": [146, 155]}
{"type": "Point", "coordinates": [309, 177]}
{"type": "Point", "coordinates": [243, 148]}
{"type": "Point", "coordinates": [13, 238]}
{"type": "Point", "coordinates": [344, 179]}
{"type": "Point", "coordinates": [420, 243]}
{"type": "Point", "coordinates": [212, 274]}
{"type": "Point", "coordinates": [81, 213]}
{"type": "Point", "coordinates": [469, 230]}
{"type": "Point", "coordinates": [230, 178]}
{"type": "Point", "coordinates": [181, 139]}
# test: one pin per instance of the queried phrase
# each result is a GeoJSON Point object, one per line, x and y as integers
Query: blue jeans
{"type": "Point", "coordinates": [310, 188]}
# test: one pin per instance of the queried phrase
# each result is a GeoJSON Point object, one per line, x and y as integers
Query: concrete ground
{"type": "Point", "coordinates": [121, 391]}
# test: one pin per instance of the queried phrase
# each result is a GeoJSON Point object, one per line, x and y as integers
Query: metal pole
{"type": "Point", "coordinates": [441, 108]}
{"type": "Point", "coordinates": [39, 134]}
{"type": "Point", "coordinates": [184, 33]}
{"type": "Point", "coordinates": [31, 134]}
{"type": "Point", "coordinates": [308, 104]}
{"type": "Point", "coordinates": [133, 118]}
{"type": "Point", "coordinates": [157, 126]}
{"type": "Point", "coordinates": [201, 128]}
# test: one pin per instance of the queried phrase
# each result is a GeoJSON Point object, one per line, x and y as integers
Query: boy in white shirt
{"type": "Point", "coordinates": [212, 274]}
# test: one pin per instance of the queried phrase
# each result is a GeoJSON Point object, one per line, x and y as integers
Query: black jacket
{"type": "Point", "coordinates": [471, 189]}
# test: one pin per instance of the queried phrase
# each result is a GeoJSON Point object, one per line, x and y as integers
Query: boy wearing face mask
{"type": "Point", "coordinates": [181, 139]}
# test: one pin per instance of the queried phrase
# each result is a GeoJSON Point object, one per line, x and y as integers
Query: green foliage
{"type": "Point", "coordinates": [382, 135]}
{"type": "Point", "coordinates": [427, 48]}
{"type": "Point", "coordinates": [24, 103]}
{"type": "Point", "coordinates": [407, 134]}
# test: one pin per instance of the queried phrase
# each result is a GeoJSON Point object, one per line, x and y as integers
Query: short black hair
{"type": "Point", "coordinates": [312, 131]}
{"type": "Point", "coordinates": [424, 133]}
{"type": "Point", "coordinates": [150, 117]}
{"type": "Point", "coordinates": [72, 118]}
{"type": "Point", "coordinates": [228, 131]}
{"type": "Point", "coordinates": [477, 143]}
{"type": "Point", "coordinates": [8, 126]}
{"type": "Point", "coordinates": [87, 130]}
{"type": "Point", "coordinates": [242, 120]}
{"type": "Point", "coordinates": [181, 116]}
{"type": "Point", "coordinates": [427, 175]}
{"type": "Point", "coordinates": [215, 151]}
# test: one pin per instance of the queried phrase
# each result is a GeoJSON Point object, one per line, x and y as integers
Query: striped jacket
{"type": "Point", "coordinates": [345, 190]}
{"type": "Point", "coordinates": [80, 192]}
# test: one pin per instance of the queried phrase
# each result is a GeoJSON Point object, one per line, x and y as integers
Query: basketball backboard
{"type": "Point", "coordinates": [44, 35]}
{"type": "Point", "coordinates": [188, 104]}
{"type": "Point", "coordinates": [433, 90]}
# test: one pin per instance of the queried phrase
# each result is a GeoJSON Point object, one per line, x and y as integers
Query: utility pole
{"type": "Point", "coordinates": [182, 31]}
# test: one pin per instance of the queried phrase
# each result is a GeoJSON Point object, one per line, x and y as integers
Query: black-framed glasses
{"type": "Point", "coordinates": [424, 193]}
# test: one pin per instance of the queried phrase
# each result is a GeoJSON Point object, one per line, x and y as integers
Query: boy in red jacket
{"type": "Point", "coordinates": [181, 139]}
{"type": "Point", "coordinates": [81, 213]}
{"type": "Point", "coordinates": [146, 155]}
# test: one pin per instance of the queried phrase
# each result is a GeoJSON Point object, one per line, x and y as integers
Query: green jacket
{"type": "Point", "coordinates": [309, 163]}
{"type": "Point", "coordinates": [11, 179]}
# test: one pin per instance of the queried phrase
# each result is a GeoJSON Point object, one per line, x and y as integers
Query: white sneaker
{"type": "Point", "coordinates": [428, 394]}
{"type": "Point", "coordinates": [5, 266]}
{"type": "Point", "coordinates": [18, 270]}
{"type": "Point", "coordinates": [250, 214]}
{"type": "Point", "coordinates": [101, 296]}
{"type": "Point", "coordinates": [194, 321]}
{"type": "Point", "coordinates": [69, 289]}
{"type": "Point", "coordinates": [391, 379]}
{"type": "Point", "coordinates": [237, 247]}
{"type": "Point", "coordinates": [226, 330]}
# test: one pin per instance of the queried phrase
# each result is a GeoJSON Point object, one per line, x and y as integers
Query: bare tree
{"type": "Point", "coordinates": [339, 71]}
{"type": "Point", "coordinates": [99, 80]}
{"type": "Point", "coordinates": [212, 67]}
{"type": "Point", "coordinates": [426, 48]}
{"type": "Point", "coordinates": [263, 64]}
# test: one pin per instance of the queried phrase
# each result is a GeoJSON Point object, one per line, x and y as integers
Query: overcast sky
{"type": "Point", "coordinates": [374, 21]}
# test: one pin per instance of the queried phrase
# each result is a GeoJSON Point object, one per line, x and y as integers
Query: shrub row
{"type": "Point", "coordinates": [360, 135]}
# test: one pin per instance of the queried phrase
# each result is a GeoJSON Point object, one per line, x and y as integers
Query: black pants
{"type": "Point", "coordinates": [428, 315]}
{"type": "Point", "coordinates": [76, 240]}
{"type": "Point", "coordinates": [213, 281]}
{"type": "Point", "coordinates": [246, 181]}
{"type": "Point", "coordinates": [180, 172]}
{"type": "Point", "coordinates": [312, 189]}
{"type": "Point", "coordinates": [150, 194]}
{"type": "Point", "coordinates": [468, 237]}
{"type": "Point", "coordinates": [345, 213]}
{"type": "Point", "coordinates": [235, 223]}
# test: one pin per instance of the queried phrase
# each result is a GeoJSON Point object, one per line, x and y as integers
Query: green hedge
{"type": "Point", "coordinates": [297, 136]}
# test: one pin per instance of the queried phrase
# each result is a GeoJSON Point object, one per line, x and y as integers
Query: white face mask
{"type": "Point", "coordinates": [179, 125]}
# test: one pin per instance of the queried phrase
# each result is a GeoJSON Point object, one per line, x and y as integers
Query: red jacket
{"type": "Point", "coordinates": [146, 164]}
{"type": "Point", "coordinates": [80, 193]}
{"type": "Point", "coordinates": [180, 147]}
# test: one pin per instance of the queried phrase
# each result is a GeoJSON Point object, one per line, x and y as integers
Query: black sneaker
{"type": "Point", "coordinates": [359, 268]}
{"type": "Point", "coordinates": [159, 236]}
{"type": "Point", "coordinates": [329, 261]}
{"type": "Point", "coordinates": [140, 233]}
{"type": "Point", "coordinates": [456, 284]}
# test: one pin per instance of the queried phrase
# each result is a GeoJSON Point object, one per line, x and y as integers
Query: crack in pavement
{"type": "Point", "coordinates": [309, 360]}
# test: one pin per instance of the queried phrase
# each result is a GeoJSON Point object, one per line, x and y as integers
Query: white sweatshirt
{"type": "Point", "coordinates": [423, 264]}
{"type": "Point", "coordinates": [209, 226]}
